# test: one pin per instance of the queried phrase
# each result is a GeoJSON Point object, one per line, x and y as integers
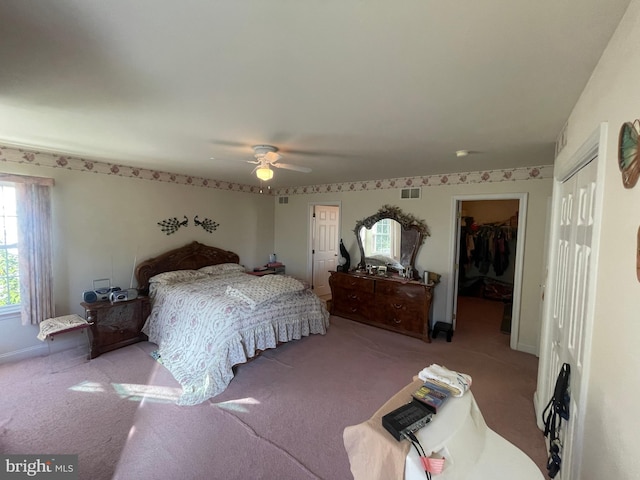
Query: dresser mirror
{"type": "Point", "coordinates": [390, 238]}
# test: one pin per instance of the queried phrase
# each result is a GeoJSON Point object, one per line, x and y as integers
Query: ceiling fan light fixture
{"type": "Point", "coordinates": [264, 173]}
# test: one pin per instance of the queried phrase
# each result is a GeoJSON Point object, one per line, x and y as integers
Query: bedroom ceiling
{"type": "Point", "coordinates": [353, 90]}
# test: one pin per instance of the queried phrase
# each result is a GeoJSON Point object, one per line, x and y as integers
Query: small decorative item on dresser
{"type": "Point", "coordinates": [341, 263]}
{"type": "Point", "coordinates": [346, 264]}
{"type": "Point", "coordinates": [431, 278]}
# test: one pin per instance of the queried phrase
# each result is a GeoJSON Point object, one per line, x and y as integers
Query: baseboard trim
{"type": "Point", "coordinates": [533, 350]}
{"type": "Point", "coordinates": [537, 408]}
{"type": "Point", "coordinates": [24, 353]}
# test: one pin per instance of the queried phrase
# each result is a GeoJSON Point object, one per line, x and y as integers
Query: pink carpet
{"type": "Point", "coordinates": [281, 417]}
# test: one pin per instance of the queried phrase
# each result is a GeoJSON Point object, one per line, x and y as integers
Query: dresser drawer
{"type": "Point", "coordinates": [406, 316]}
{"type": "Point", "coordinates": [352, 282]}
{"type": "Point", "coordinates": [352, 303]}
{"type": "Point", "coordinates": [403, 290]}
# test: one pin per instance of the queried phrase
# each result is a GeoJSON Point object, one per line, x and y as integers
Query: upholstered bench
{"type": "Point", "coordinates": [51, 327]}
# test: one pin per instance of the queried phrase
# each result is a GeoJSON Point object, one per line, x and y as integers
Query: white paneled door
{"type": "Point", "coordinates": [569, 297]}
{"type": "Point", "coordinates": [326, 243]}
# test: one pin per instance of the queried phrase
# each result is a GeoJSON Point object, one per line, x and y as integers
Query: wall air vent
{"type": "Point", "coordinates": [283, 199]}
{"type": "Point", "coordinates": [410, 193]}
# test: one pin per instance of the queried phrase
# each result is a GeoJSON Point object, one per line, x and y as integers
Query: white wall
{"type": "Point", "coordinates": [292, 236]}
{"type": "Point", "coordinates": [101, 222]}
{"type": "Point", "coordinates": [612, 95]}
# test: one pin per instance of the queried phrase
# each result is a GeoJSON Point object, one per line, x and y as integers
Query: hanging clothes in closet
{"type": "Point", "coordinates": [487, 246]}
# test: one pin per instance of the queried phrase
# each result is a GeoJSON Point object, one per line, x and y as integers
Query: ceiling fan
{"type": "Point", "coordinates": [268, 158]}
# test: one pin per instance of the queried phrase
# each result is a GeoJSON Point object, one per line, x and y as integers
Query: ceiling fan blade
{"type": "Point", "coordinates": [229, 143]}
{"type": "Point", "coordinates": [233, 160]}
{"type": "Point", "coordinates": [296, 168]}
{"type": "Point", "coordinates": [272, 157]}
{"type": "Point", "coordinates": [314, 153]}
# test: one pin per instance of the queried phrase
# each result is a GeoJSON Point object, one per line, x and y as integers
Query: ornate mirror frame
{"type": "Point", "coordinates": [406, 220]}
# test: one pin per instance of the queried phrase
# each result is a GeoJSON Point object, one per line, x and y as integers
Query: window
{"type": "Point", "coordinates": [9, 271]}
{"type": "Point", "coordinates": [26, 275]}
{"type": "Point", "coordinates": [382, 237]}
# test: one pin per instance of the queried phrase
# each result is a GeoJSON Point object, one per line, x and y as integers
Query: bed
{"type": "Point", "coordinates": [208, 315]}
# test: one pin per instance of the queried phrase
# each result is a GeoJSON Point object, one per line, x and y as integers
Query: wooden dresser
{"type": "Point", "coordinates": [393, 303]}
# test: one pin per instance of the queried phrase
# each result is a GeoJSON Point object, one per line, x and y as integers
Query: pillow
{"type": "Point", "coordinates": [168, 278]}
{"type": "Point", "coordinates": [221, 268]}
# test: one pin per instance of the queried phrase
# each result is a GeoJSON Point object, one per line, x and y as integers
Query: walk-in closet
{"type": "Point", "coordinates": [486, 264]}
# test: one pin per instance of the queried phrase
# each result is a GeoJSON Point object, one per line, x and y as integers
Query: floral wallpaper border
{"type": "Point", "coordinates": [466, 178]}
{"type": "Point", "coordinates": [40, 159]}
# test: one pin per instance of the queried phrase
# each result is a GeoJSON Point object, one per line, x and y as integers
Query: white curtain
{"type": "Point", "coordinates": [35, 249]}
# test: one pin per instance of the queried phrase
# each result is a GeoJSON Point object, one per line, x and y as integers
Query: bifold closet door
{"type": "Point", "coordinates": [570, 329]}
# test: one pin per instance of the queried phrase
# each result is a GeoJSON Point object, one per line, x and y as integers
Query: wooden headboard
{"type": "Point", "coordinates": [190, 257]}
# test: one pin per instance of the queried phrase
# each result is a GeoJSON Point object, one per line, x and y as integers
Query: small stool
{"type": "Point", "coordinates": [444, 328]}
{"type": "Point", "coordinates": [51, 327]}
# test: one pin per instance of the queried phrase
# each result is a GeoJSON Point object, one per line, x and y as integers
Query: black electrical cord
{"type": "Point", "coordinates": [421, 453]}
{"type": "Point", "coordinates": [556, 410]}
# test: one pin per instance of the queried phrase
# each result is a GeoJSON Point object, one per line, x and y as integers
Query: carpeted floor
{"type": "Point", "coordinates": [281, 417]}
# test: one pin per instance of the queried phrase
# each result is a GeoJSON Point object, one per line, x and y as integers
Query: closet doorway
{"type": "Point", "coordinates": [488, 263]}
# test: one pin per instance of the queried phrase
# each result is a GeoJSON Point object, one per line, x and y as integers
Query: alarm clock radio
{"type": "Point", "coordinates": [123, 295]}
{"type": "Point", "coordinates": [101, 291]}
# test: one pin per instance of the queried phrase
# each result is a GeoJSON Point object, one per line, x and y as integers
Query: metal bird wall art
{"type": "Point", "coordinates": [208, 224]}
{"type": "Point", "coordinates": [172, 225]}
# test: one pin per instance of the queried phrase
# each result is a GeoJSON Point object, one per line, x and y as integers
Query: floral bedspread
{"type": "Point", "coordinates": [264, 289]}
{"type": "Point", "coordinates": [202, 332]}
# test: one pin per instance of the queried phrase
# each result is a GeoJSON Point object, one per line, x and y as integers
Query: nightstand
{"type": "Point", "coordinates": [276, 270]}
{"type": "Point", "coordinates": [115, 325]}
